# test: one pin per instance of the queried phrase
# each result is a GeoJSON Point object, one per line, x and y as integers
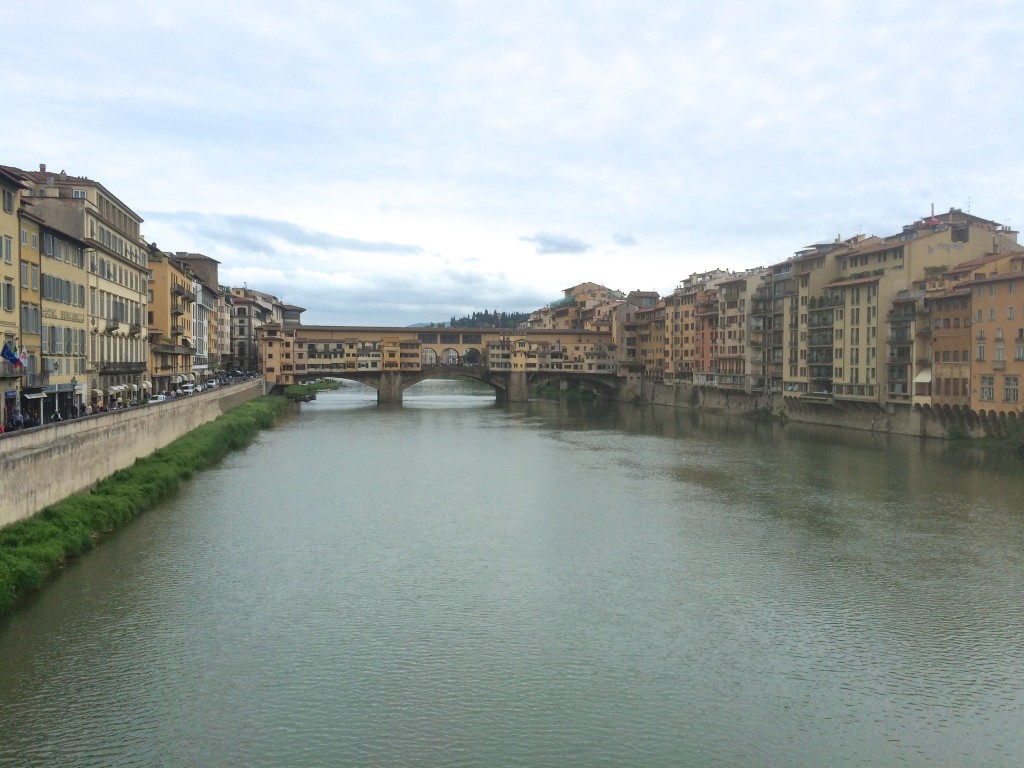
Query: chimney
{"type": "Point", "coordinates": [42, 167]}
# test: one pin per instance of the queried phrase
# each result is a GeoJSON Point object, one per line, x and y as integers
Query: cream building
{"type": "Point", "coordinates": [115, 259]}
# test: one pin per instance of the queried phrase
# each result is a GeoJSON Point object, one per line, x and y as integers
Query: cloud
{"type": "Point", "coordinates": [546, 243]}
{"type": "Point", "coordinates": [623, 239]}
{"type": "Point", "coordinates": [258, 235]}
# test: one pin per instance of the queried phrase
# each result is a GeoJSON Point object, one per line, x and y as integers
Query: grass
{"type": "Point", "coordinates": [32, 549]}
{"type": "Point", "coordinates": [295, 391]}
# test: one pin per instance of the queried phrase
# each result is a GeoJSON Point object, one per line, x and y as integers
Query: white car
{"type": "Point", "coordinates": [158, 399]}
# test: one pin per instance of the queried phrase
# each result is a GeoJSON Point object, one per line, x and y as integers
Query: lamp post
{"type": "Point", "coordinates": [74, 396]}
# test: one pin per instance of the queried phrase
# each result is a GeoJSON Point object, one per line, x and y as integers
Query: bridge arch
{"type": "Point", "coordinates": [429, 356]}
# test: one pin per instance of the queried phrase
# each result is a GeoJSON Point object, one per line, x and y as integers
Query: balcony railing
{"type": "Point", "coordinates": [113, 325]}
{"type": "Point", "coordinates": [37, 379]}
{"type": "Point", "coordinates": [122, 367]}
{"type": "Point", "coordinates": [180, 290]}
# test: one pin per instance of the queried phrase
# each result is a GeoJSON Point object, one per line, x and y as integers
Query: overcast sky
{"type": "Point", "coordinates": [392, 162]}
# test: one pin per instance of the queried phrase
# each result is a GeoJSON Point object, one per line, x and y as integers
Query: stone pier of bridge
{"type": "Point", "coordinates": [509, 386]}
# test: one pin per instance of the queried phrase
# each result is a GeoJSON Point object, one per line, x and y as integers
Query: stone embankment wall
{"type": "Point", "coordinates": [42, 466]}
{"type": "Point", "coordinates": [926, 421]}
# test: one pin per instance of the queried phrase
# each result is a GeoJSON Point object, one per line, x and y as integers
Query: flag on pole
{"type": "Point", "coordinates": [23, 356]}
{"type": "Point", "coordinates": [8, 355]}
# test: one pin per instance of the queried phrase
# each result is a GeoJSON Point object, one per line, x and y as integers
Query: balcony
{"type": "Point", "coordinates": [173, 349]}
{"type": "Point", "coordinates": [185, 293]}
{"type": "Point", "coordinates": [112, 325]}
{"type": "Point", "coordinates": [135, 329]}
{"type": "Point", "coordinates": [37, 379]}
{"type": "Point", "coordinates": [122, 367]}
{"type": "Point", "coordinates": [10, 371]}
{"type": "Point", "coordinates": [998, 365]}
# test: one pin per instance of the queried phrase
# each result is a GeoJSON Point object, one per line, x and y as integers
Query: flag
{"type": "Point", "coordinates": [23, 357]}
{"type": "Point", "coordinates": [9, 356]}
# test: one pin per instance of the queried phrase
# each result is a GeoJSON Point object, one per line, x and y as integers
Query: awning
{"type": "Point", "coordinates": [924, 376]}
{"type": "Point", "coordinates": [191, 377]}
{"type": "Point", "coordinates": [133, 387]}
{"type": "Point", "coordinates": [35, 396]}
{"type": "Point", "coordinates": [147, 385]}
{"type": "Point", "coordinates": [98, 392]}
{"type": "Point", "coordinates": [176, 379]}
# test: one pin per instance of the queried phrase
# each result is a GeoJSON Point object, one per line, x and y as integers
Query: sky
{"type": "Point", "coordinates": [393, 163]}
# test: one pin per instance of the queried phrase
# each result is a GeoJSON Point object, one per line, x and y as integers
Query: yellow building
{"type": "Point", "coordinates": [62, 292]}
{"type": "Point", "coordinates": [11, 188]}
{"type": "Point", "coordinates": [170, 322]}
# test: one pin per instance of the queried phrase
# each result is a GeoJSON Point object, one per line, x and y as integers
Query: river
{"type": "Point", "coordinates": [455, 582]}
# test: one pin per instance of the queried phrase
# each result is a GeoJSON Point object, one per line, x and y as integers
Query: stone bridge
{"type": "Point", "coordinates": [511, 360]}
{"type": "Point", "coordinates": [509, 386]}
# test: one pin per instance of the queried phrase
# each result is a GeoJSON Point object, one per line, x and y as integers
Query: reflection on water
{"type": "Point", "coordinates": [458, 582]}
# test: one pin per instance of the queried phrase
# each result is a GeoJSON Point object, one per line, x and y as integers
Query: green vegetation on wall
{"type": "Point", "coordinates": [298, 391]}
{"type": "Point", "coordinates": [552, 391]}
{"type": "Point", "coordinates": [32, 549]}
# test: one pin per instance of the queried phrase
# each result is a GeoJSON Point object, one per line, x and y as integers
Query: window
{"type": "Point", "coordinates": [24, 275]}
{"type": "Point", "coordinates": [8, 249]}
{"type": "Point", "coordinates": [8, 201]}
{"type": "Point", "coordinates": [1011, 388]}
{"type": "Point", "coordinates": [981, 352]}
{"type": "Point", "coordinates": [7, 296]}
{"type": "Point", "coordinates": [78, 194]}
{"type": "Point", "coordinates": [1009, 311]}
{"type": "Point", "coordinates": [991, 313]}
{"type": "Point", "coordinates": [988, 387]}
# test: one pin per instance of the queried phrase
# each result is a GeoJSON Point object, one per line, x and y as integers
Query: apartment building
{"type": "Point", "coordinates": [571, 312]}
{"type": "Point", "coordinates": [950, 315]}
{"type": "Point", "coordinates": [11, 188]}
{"type": "Point", "coordinates": [171, 321]}
{"type": "Point", "coordinates": [876, 274]}
{"type": "Point", "coordinates": [997, 327]}
{"type": "Point", "coordinates": [250, 311]}
{"type": "Point", "coordinates": [116, 275]}
{"type": "Point", "coordinates": [60, 281]}
{"type": "Point", "coordinates": [705, 338]}
{"type": "Point", "coordinates": [216, 308]}
{"type": "Point", "coordinates": [734, 355]}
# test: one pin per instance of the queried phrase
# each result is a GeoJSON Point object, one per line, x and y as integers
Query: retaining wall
{"type": "Point", "coordinates": [44, 465]}
{"type": "Point", "coordinates": [894, 419]}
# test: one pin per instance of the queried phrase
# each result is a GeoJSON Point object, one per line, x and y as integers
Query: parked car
{"type": "Point", "coordinates": [159, 399]}
{"type": "Point", "coordinates": [187, 389]}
